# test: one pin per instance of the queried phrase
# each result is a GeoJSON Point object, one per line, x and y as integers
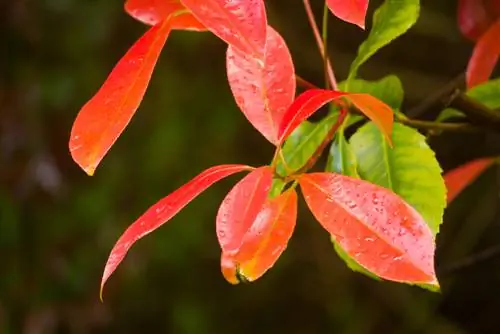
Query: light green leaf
{"type": "Point", "coordinates": [410, 169]}
{"type": "Point", "coordinates": [390, 20]}
{"type": "Point", "coordinates": [449, 113]}
{"type": "Point", "coordinates": [341, 159]}
{"type": "Point", "coordinates": [388, 89]}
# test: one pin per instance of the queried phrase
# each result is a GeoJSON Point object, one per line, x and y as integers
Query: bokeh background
{"type": "Point", "coordinates": [57, 225]}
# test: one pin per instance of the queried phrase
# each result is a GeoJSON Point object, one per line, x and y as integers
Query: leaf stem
{"type": "Point", "coordinates": [304, 83]}
{"type": "Point", "coordinates": [324, 35]}
{"type": "Point", "coordinates": [436, 126]}
{"type": "Point", "coordinates": [319, 42]}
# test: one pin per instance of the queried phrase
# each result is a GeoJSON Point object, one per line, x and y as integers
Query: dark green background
{"type": "Point", "coordinates": [57, 225]}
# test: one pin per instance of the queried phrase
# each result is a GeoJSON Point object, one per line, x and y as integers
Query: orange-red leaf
{"type": "Point", "coordinates": [265, 241]}
{"type": "Point", "coordinates": [459, 178]}
{"type": "Point", "coordinates": [240, 23]}
{"type": "Point", "coordinates": [163, 211]}
{"type": "Point", "coordinates": [310, 101]}
{"type": "Point", "coordinates": [153, 12]}
{"type": "Point", "coordinates": [240, 208]}
{"type": "Point", "coordinates": [352, 11]}
{"type": "Point", "coordinates": [484, 57]}
{"type": "Point", "coordinates": [374, 226]}
{"type": "Point", "coordinates": [101, 121]}
{"type": "Point", "coordinates": [263, 89]}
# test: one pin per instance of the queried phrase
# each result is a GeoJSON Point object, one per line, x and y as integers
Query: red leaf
{"type": "Point", "coordinates": [373, 225]}
{"type": "Point", "coordinates": [241, 206]}
{"type": "Point", "coordinates": [101, 121]}
{"type": "Point", "coordinates": [352, 11]}
{"type": "Point", "coordinates": [265, 241]}
{"type": "Point", "coordinates": [459, 178]}
{"type": "Point", "coordinates": [263, 89]}
{"type": "Point", "coordinates": [310, 101]}
{"type": "Point", "coordinates": [484, 57]}
{"type": "Point", "coordinates": [473, 18]}
{"type": "Point", "coordinates": [163, 211]}
{"type": "Point", "coordinates": [240, 23]}
{"type": "Point", "coordinates": [153, 12]}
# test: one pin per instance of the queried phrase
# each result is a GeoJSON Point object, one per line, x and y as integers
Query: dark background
{"type": "Point", "coordinates": [57, 225]}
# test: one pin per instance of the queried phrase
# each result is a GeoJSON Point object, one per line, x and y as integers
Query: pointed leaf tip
{"type": "Point", "coordinates": [102, 119]}
{"type": "Point", "coordinates": [461, 177]}
{"type": "Point", "coordinates": [352, 11]}
{"type": "Point", "coordinates": [163, 211]}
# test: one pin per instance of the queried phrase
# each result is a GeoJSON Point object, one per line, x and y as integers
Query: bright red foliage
{"type": "Point", "coordinates": [240, 23]}
{"type": "Point", "coordinates": [163, 211]}
{"type": "Point", "coordinates": [352, 11]}
{"type": "Point", "coordinates": [484, 56]}
{"type": "Point", "coordinates": [373, 225]}
{"type": "Point", "coordinates": [459, 178]}
{"type": "Point", "coordinates": [101, 121]}
{"type": "Point", "coordinates": [265, 240]}
{"type": "Point", "coordinates": [263, 89]}
{"type": "Point", "coordinates": [153, 12]}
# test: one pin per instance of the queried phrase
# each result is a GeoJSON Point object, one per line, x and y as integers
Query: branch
{"type": "Point", "coordinates": [437, 126]}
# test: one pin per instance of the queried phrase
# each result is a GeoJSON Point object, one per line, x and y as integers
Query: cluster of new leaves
{"type": "Point", "coordinates": [382, 196]}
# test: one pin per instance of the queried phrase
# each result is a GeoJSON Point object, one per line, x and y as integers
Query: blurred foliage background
{"type": "Point", "coordinates": [57, 225]}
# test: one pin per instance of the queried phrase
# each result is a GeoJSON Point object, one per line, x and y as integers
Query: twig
{"type": "Point", "coordinates": [304, 83]}
{"type": "Point", "coordinates": [427, 125]}
{"type": "Point", "coordinates": [473, 259]}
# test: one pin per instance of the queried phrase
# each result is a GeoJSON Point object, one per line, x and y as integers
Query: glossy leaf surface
{"type": "Point", "coordinates": [388, 89]}
{"type": "Point", "coordinates": [240, 23]}
{"type": "Point", "coordinates": [263, 89]}
{"type": "Point", "coordinates": [163, 211]}
{"type": "Point", "coordinates": [352, 11]}
{"type": "Point", "coordinates": [373, 225]}
{"type": "Point", "coordinates": [459, 178]}
{"type": "Point", "coordinates": [410, 168]}
{"type": "Point", "coordinates": [240, 208]}
{"type": "Point", "coordinates": [484, 57]}
{"type": "Point", "coordinates": [265, 241]}
{"type": "Point", "coordinates": [390, 20]}
{"type": "Point", "coordinates": [310, 101]}
{"type": "Point", "coordinates": [341, 159]}
{"type": "Point", "coordinates": [152, 12]}
{"type": "Point", "coordinates": [102, 119]}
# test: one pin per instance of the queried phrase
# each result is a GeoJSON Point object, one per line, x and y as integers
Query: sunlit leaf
{"type": "Point", "coordinates": [311, 100]}
{"type": "Point", "coordinates": [152, 12]}
{"type": "Point", "coordinates": [265, 241]}
{"type": "Point", "coordinates": [388, 89]}
{"type": "Point", "coordinates": [484, 57]}
{"type": "Point", "coordinates": [240, 208]}
{"type": "Point", "coordinates": [352, 11]}
{"type": "Point", "coordinates": [410, 168]}
{"type": "Point", "coordinates": [474, 18]}
{"type": "Point", "coordinates": [163, 211]}
{"type": "Point", "coordinates": [101, 121]}
{"type": "Point", "coordinates": [390, 20]}
{"type": "Point", "coordinates": [374, 226]}
{"type": "Point", "coordinates": [240, 23]}
{"type": "Point", "coordinates": [461, 177]}
{"type": "Point", "coordinates": [263, 89]}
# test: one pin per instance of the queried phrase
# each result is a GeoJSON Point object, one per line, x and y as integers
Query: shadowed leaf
{"type": "Point", "coordinates": [461, 177]}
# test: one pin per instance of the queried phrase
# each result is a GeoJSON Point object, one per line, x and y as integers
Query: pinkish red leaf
{"type": "Point", "coordinates": [473, 18]}
{"type": "Point", "coordinates": [374, 226]}
{"type": "Point", "coordinates": [263, 89]}
{"type": "Point", "coordinates": [352, 11]}
{"type": "Point", "coordinates": [311, 100]}
{"type": "Point", "coordinates": [101, 121]}
{"type": "Point", "coordinates": [484, 57]}
{"type": "Point", "coordinates": [459, 178]}
{"type": "Point", "coordinates": [240, 23]}
{"type": "Point", "coordinates": [153, 12]}
{"type": "Point", "coordinates": [163, 211]}
{"type": "Point", "coordinates": [265, 241]}
{"type": "Point", "coordinates": [241, 206]}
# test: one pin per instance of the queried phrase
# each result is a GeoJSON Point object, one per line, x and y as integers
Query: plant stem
{"type": "Point", "coordinates": [324, 35]}
{"type": "Point", "coordinates": [319, 42]}
{"type": "Point", "coordinates": [427, 125]}
{"type": "Point", "coordinates": [304, 83]}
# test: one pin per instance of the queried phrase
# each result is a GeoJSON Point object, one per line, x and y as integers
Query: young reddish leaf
{"type": "Point", "coordinates": [240, 23]}
{"type": "Point", "coordinates": [352, 11]}
{"type": "Point", "coordinates": [265, 241]}
{"type": "Point", "coordinates": [263, 89]}
{"type": "Point", "coordinates": [473, 18]}
{"type": "Point", "coordinates": [459, 178]}
{"type": "Point", "coordinates": [153, 12]}
{"type": "Point", "coordinates": [310, 101]}
{"type": "Point", "coordinates": [163, 211]}
{"type": "Point", "coordinates": [101, 121]}
{"type": "Point", "coordinates": [241, 206]}
{"type": "Point", "coordinates": [373, 225]}
{"type": "Point", "coordinates": [484, 57]}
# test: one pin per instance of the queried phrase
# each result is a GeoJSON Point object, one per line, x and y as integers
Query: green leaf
{"type": "Point", "coordinates": [449, 113]}
{"type": "Point", "coordinates": [410, 169]}
{"type": "Point", "coordinates": [388, 89]}
{"type": "Point", "coordinates": [341, 159]}
{"type": "Point", "coordinates": [390, 20]}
